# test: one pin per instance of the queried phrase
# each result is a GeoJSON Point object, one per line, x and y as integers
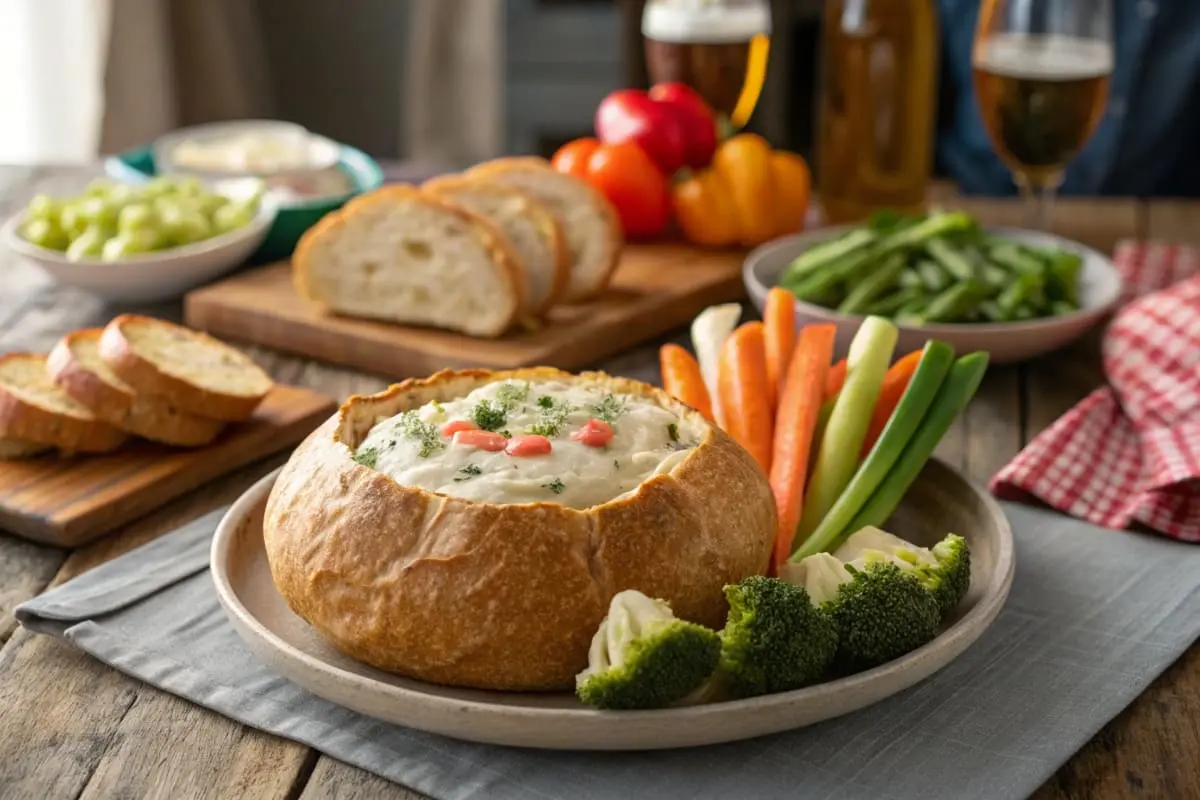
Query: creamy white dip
{"type": "Point", "coordinates": [647, 440]}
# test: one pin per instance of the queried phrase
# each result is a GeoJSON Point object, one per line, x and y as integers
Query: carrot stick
{"type": "Point", "coordinates": [779, 320]}
{"type": "Point", "coordinates": [742, 386]}
{"type": "Point", "coordinates": [682, 379]}
{"type": "Point", "coordinates": [894, 383]}
{"type": "Point", "coordinates": [835, 379]}
{"type": "Point", "coordinates": [799, 408]}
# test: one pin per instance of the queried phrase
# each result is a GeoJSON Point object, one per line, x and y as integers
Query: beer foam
{"type": "Point", "coordinates": [1056, 58]}
{"type": "Point", "coordinates": [703, 22]}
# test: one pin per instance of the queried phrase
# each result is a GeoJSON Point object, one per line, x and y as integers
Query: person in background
{"type": "Point", "coordinates": [1146, 142]}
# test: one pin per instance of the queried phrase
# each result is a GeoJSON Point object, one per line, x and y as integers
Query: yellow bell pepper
{"type": "Point", "coordinates": [750, 194]}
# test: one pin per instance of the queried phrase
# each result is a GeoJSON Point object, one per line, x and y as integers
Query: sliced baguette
{"type": "Point", "coordinates": [76, 366]}
{"type": "Point", "coordinates": [403, 255]}
{"type": "Point", "coordinates": [12, 449]}
{"type": "Point", "coordinates": [534, 231]}
{"type": "Point", "coordinates": [184, 368]}
{"type": "Point", "coordinates": [591, 224]}
{"type": "Point", "coordinates": [34, 409]}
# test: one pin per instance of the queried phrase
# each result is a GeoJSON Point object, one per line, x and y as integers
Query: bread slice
{"type": "Point", "coordinates": [403, 255]}
{"type": "Point", "coordinates": [591, 224]}
{"type": "Point", "coordinates": [33, 409]}
{"type": "Point", "coordinates": [534, 231]}
{"type": "Point", "coordinates": [183, 368]}
{"type": "Point", "coordinates": [76, 366]}
{"type": "Point", "coordinates": [12, 449]}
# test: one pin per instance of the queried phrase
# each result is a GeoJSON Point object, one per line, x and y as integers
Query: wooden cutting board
{"type": "Point", "coordinates": [656, 288]}
{"type": "Point", "coordinates": [70, 501]}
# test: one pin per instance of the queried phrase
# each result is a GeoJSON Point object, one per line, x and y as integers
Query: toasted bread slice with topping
{"type": "Point", "coordinates": [12, 449]}
{"type": "Point", "coordinates": [186, 369]}
{"type": "Point", "coordinates": [534, 231]}
{"type": "Point", "coordinates": [404, 255]}
{"type": "Point", "coordinates": [75, 365]}
{"type": "Point", "coordinates": [33, 409]}
{"type": "Point", "coordinates": [590, 222]}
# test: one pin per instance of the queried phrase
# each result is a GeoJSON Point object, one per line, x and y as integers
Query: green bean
{"type": "Point", "coordinates": [933, 277]}
{"type": "Point", "coordinates": [950, 260]}
{"type": "Point", "coordinates": [875, 284]}
{"type": "Point", "coordinates": [897, 300]}
{"type": "Point", "coordinates": [828, 253]}
{"type": "Point", "coordinates": [910, 278]}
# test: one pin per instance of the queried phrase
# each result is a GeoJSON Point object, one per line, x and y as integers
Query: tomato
{"type": "Point", "coordinates": [453, 427]}
{"type": "Point", "coordinates": [572, 157]}
{"type": "Point", "coordinates": [482, 440]}
{"type": "Point", "coordinates": [624, 174]}
{"type": "Point", "coordinates": [532, 445]}
{"type": "Point", "coordinates": [594, 433]}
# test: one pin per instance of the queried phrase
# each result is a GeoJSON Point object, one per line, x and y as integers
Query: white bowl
{"type": "Point", "coordinates": [148, 277]}
{"type": "Point", "coordinates": [1005, 342]}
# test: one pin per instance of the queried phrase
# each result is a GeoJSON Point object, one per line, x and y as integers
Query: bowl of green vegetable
{"type": "Point", "coordinates": [140, 243]}
{"type": "Point", "coordinates": [1013, 293]}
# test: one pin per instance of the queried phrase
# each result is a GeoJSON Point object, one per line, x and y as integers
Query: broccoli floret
{"type": "Point", "coordinates": [880, 611]}
{"type": "Point", "coordinates": [944, 570]}
{"type": "Point", "coordinates": [642, 656]}
{"type": "Point", "coordinates": [775, 639]}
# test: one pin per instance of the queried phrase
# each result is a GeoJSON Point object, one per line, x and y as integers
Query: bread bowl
{"type": "Point", "coordinates": [455, 573]}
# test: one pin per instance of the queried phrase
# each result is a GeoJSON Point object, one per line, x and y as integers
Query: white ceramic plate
{"type": "Point", "coordinates": [148, 277]}
{"type": "Point", "coordinates": [940, 501]}
{"type": "Point", "coordinates": [1007, 342]}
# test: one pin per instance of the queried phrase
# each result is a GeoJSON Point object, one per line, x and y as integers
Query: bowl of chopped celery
{"type": "Point", "coordinates": [1016, 294]}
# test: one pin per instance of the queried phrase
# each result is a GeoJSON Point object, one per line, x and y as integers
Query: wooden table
{"type": "Point", "coordinates": [75, 728]}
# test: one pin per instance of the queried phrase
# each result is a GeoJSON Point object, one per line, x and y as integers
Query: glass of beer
{"type": "Point", "coordinates": [718, 47]}
{"type": "Point", "coordinates": [1041, 71]}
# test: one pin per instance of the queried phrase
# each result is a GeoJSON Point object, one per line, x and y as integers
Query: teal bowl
{"type": "Point", "coordinates": [293, 219]}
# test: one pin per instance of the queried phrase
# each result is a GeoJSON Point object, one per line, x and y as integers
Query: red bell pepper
{"type": "Point", "coordinates": [699, 122]}
{"type": "Point", "coordinates": [671, 123]}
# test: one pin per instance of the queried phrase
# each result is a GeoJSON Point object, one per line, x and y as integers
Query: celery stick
{"type": "Point", "coordinates": [918, 397]}
{"type": "Point", "coordinates": [866, 363]}
{"type": "Point", "coordinates": [956, 391]}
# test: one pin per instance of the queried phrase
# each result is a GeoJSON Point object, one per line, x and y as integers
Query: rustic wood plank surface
{"type": "Point", "coordinates": [657, 287]}
{"type": "Point", "coordinates": [92, 732]}
{"type": "Point", "coordinates": [68, 502]}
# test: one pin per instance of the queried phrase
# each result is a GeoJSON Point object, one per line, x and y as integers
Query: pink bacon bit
{"type": "Point", "coordinates": [481, 440]}
{"type": "Point", "coordinates": [454, 426]}
{"type": "Point", "coordinates": [532, 445]}
{"type": "Point", "coordinates": [594, 433]}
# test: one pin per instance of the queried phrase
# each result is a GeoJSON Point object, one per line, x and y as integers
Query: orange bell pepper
{"type": "Point", "coordinates": [749, 195]}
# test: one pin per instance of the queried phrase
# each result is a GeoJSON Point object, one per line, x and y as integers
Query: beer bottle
{"type": "Point", "coordinates": [877, 106]}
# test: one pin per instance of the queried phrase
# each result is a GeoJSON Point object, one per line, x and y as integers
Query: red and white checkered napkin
{"type": "Point", "coordinates": [1130, 452]}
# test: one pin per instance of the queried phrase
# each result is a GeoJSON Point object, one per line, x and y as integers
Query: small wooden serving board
{"type": "Point", "coordinates": [657, 287]}
{"type": "Point", "coordinates": [70, 501]}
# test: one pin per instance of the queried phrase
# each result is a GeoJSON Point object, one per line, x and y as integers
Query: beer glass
{"type": "Point", "coordinates": [718, 47]}
{"type": "Point", "coordinates": [1041, 70]}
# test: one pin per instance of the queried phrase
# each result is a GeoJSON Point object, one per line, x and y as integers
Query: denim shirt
{"type": "Point", "coordinates": [1148, 141]}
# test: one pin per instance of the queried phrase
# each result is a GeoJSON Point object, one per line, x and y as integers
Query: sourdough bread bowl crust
{"type": "Point", "coordinates": [502, 597]}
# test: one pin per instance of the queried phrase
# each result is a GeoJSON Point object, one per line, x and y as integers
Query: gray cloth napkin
{"type": "Point", "coordinates": [1093, 617]}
